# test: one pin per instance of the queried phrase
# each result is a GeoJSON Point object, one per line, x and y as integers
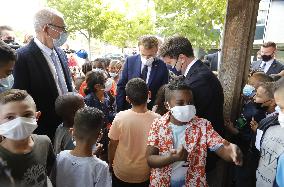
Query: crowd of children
{"type": "Point", "coordinates": [138, 147]}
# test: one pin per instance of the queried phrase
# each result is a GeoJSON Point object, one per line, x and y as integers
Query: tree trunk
{"type": "Point", "coordinates": [237, 43]}
{"type": "Point", "coordinates": [236, 51]}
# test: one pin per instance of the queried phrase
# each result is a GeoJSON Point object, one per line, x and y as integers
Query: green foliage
{"type": "Point", "coordinates": [124, 32]}
{"type": "Point", "coordinates": [194, 19]}
{"type": "Point", "coordinates": [95, 19]}
{"type": "Point", "coordinates": [86, 16]}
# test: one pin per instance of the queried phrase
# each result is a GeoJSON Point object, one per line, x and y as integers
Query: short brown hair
{"type": "Point", "coordinates": [269, 89]}
{"type": "Point", "coordinates": [14, 95]}
{"type": "Point", "coordinates": [269, 44]}
{"type": "Point", "coordinates": [148, 41]}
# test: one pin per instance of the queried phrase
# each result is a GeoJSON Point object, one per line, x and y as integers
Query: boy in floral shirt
{"type": "Point", "coordinates": [178, 142]}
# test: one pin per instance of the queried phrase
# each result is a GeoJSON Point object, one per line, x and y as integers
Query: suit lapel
{"type": "Point", "coordinates": [41, 63]}
{"type": "Point", "coordinates": [137, 67]}
{"type": "Point", "coordinates": [193, 69]}
{"type": "Point", "coordinates": [271, 68]}
{"type": "Point", "coordinates": [153, 73]}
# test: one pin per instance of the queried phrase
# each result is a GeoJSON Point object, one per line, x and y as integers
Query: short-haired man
{"type": "Point", "coordinates": [7, 35]}
{"type": "Point", "coordinates": [147, 66]}
{"type": "Point", "coordinates": [268, 64]}
{"type": "Point", "coordinates": [207, 90]}
{"type": "Point", "coordinates": [42, 67]}
{"type": "Point", "coordinates": [7, 62]}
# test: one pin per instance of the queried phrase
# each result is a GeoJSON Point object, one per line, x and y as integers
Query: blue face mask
{"type": "Point", "coordinates": [248, 91]}
{"type": "Point", "coordinates": [61, 40]}
{"type": "Point", "coordinates": [7, 82]}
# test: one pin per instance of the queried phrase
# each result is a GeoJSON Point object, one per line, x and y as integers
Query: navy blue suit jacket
{"type": "Point", "coordinates": [159, 76]}
{"type": "Point", "coordinates": [275, 68]}
{"type": "Point", "coordinates": [32, 73]}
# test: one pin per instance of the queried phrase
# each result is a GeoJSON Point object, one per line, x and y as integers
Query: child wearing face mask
{"type": "Point", "coordinates": [78, 167]}
{"type": "Point", "coordinates": [128, 138]}
{"type": "Point", "coordinates": [96, 96]}
{"type": "Point", "coordinates": [113, 70]}
{"type": "Point", "coordinates": [178, 142]}
{"type": "Point", "coordinates": [243, 135]}
{"type": "Point", "coordinates": [65, 107]}
{"type": "Point", "coordinates": [7, 61]}
{"type": "Point", "coordinates": [30, 157]}
{"type": "Point", "coordinates": [270, 167]}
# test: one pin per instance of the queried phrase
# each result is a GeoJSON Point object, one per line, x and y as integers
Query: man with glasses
{"type": "Point", "coordinates": [41, 67]}
{"type": "Point", "coordinates": [147, 66]}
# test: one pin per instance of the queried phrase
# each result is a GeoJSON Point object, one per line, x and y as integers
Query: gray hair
{"type": "Point", "coordinates": [45, 16]}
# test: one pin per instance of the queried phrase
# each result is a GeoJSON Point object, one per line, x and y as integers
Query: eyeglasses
{"type": "Point", "coordinates": [64, 28]}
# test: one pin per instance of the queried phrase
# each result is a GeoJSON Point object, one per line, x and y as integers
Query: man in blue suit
{"type": "Point", "coordinates": [146, 66]}
{"type": "Point", "coordinates": [268, 64]}
{"type": "Point", "coordinates": [41, 68]}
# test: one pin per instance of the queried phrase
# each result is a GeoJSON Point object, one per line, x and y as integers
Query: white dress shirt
{"type": "Point", "coordinates": [46, 51]}
{"type": "Point", "coordinates": [267, 65]}
{"type": "Point", "coordinates": [189, 66]}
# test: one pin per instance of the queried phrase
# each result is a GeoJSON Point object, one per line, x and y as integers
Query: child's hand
{"type": "Point", "coordinates": [179, 154]}
{"type": "Point", "coordinates": [236, 154]}
{"type": "Point", "coordinates": [253, 125]}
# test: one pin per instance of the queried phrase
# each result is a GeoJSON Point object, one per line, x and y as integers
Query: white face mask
{"type": "Point", "coordinates": [108, 84]}
{"type": "Point", "coordinates": [19, 128]}
{"type": "Point", "coordinates": [7, 82]}
{"type": "Point", "coordinates": [147, 62]}
{"type": "Point", "coordinates": [281, 118]}
{"type": "Point", "coordinates": [113, 75]}
{"type": "Point", "coordinates": [183, 113]}
{"type": "Point", "coordinates": [61, 39]}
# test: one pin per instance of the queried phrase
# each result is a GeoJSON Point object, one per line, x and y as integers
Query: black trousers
{"type": "Point", "coordinates": [119, 183]}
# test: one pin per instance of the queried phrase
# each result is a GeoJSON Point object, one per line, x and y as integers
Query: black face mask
{"type": "Point", "coordinates": [260, 107]}
{"type": "Point", "coordinates": [266, 58]}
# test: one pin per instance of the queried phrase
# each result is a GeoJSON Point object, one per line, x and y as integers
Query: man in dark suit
{"type": "Point", "coordinates": [41, 68]}
{"type": "Point", "coordinates": [207, 90]}
{"type": "Point", "coordinates": [269, 65]}
{"type": "Point", "coordinates": [146, 66]}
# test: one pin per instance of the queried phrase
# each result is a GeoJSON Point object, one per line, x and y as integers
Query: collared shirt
{"type": "Point", "coordinates": [46, 51]}
{"type": "Point", "coordinates": [149, 68]}
{"type": "Point", "coordinates": [199, 135]}
{"type": "Point", "coordinates": [189, 66]}
{"type": "Point", "coordinates": [267, 65]}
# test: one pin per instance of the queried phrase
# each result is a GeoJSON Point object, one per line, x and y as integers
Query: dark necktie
{"type": "Point", "coordinates": [261, 68]}
{"type": "Point", "coordinates": [144, 73]}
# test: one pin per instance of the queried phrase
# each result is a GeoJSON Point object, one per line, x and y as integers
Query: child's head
{"type": "Point", "coordinates": [179, 100]}
{"type": "Point", "coordinates": [279, 94]}
{"type": "Point", "coordinates": [66, 106]}
{"type": "Point", "coordinates": [257, 78]}
{"type": "Point", "coordinates": [99, 63]}
{"type": "Point", "coordinates": [136, 91]}
{"type": "Point", "coordinates": [7, 60]}
{"type": "Point", "coordinates": [160, 100]}
{"type": "Point", "coordinates": [279, 100]}
{"type": "Point", "coordinates": [17, 110]}
{"type": "Point", "coordinates": [95, 81]}
{"type": "Point", "coordinates": [86, 67]}
{"type": "Point", "coordinates": [178, 93]}
{"type": "Point", "coordinates": [264, 96]}
{"type": "Point", "coordinates": [88, 123]}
